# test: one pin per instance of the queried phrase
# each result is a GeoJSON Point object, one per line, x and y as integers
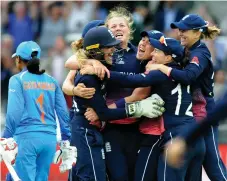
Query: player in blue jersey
{"type": "Point", "coordinates": [178, 147]}
{"type": "Point", "coordinates": [98, 43]}
{"type": "Point", "coordinates": [178, 104]}
{"type": "Point", "coordinates": [199, 73]}
{"type": "Point", "coordinates": [34, 96]}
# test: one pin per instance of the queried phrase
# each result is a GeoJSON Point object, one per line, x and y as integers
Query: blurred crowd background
{"type": "Point", "coordinates": [55, 24]}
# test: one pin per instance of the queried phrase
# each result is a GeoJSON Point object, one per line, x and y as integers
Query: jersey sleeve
{"type": "Point", "coordinates": [217, 114]}
{"type": "Point", "coordinates": [62, 113]}
{"type": "Point", "coordinates": [138, 80]}
{"type": "Point", "coordinates": [15, 107]}
{"type": "Point", "coordinates": [98, 102]}
{"type": "Point", "coordinates": [198, 62]}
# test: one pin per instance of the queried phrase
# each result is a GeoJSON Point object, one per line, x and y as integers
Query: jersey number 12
{"type": "Point", "coordinates": [178, 90]}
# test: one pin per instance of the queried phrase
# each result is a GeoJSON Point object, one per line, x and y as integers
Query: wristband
{"type": "Point", "coordinates": [73, 90]}
{"type": "Point", "coordinates": [169, 71]}
{"type": "Point", "coordinates": [120, 103]}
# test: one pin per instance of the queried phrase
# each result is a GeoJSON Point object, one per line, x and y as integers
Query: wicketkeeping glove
{"type": "Point", "coordinates": [9, 150]}
{"type": "Point", "coordinates": [68, 155]}
{"type": "Point", "coordinates": [150, 107]}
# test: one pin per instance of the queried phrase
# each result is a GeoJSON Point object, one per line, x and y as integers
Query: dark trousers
{"type": "Point", "coordinates": [191, 169]}
{"type": "Point", "coordinates": [90, 165]}
{"type": "Point", "coordinates": [213, 163]}
{"type": "Point", "coordinates": [147, 161]}
{"type": "Point", "coordinates": [122, 143]}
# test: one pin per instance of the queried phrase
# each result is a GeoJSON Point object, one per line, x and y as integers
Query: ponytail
{"type": "Point", "coordinates": [33, 65]}
{"type": "Point", "coordinates": [211, 33]}
{"type": "Point", "coordinates": [77, 47]}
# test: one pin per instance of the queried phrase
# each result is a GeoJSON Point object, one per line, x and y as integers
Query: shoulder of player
{"type": "Point", "coordinates": [201, 50]}
{"type": "Point", "coordinates": [132, 47]}
{"type": "Point", "coordinates": [88, 79]}
{"type": "Point", "coordinates": [199, 56]}
{"type": "Point", "coordinates": [155, 73]}
{"type": "Point", "coordinates": [51, 78]}
{"type": "Point", "coordinates": [17, 77]}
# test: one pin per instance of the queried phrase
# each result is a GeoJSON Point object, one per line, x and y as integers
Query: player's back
{"type": "Point", "coordinates": [39, 103]}
{"type": "Point", "coordinates": [81, 104]}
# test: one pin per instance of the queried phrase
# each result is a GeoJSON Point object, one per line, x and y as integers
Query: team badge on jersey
{"type": "Point", "coordinates": [119, 59]}
{"type": "Point", "coordinates": [195, 60]}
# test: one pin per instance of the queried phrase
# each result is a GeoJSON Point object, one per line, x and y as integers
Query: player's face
{"type": "Point", "coordinates": [158, 57]}
{"type": "Point", "coordinates": [144, 49]}
{"type": "Point", "coordinates": [18, 64]}
{"type": "Point", "coordinates": [120, 28]}
{"type": "Point", "coordinates": [188, 37]}
{"type": "Point", "coordinates": [108, 53]}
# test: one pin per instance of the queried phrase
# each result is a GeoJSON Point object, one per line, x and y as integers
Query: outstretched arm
{"type": "Point", "coordinates": [217, 114]}
{"type": "Point", "coordinates": [186, 76]}
{"type": "Point", "coordinates": [138, 80]}
{"type": "Point", "coordinates": [178, 147]}
{"type": "Point", "coordinates": [73, 64]}
{"type": "Point", "coordinates": [149, 107]}
{"type": "Point", "coordinates": [138, 94]}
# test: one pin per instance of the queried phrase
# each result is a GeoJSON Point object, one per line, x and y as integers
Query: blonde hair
{"type": "Point", "coordinates": [77, 47]}
{"type": "Point", "coordinates": [211, 33]}
{"type": "Point", "coordinates": [120, 11]}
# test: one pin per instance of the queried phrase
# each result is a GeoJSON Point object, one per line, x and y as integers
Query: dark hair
{"type": "Point", "coordinates": [33, 64]}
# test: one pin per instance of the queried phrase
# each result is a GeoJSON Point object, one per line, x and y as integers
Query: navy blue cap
{"type": "Point", "coordinates": [99, 37]}
{"type": "Point", "coordinates": [190, 22]}
{"type": "Point", "coordinates": [154, 34]}
{"type": "Point", "coordinates": [91, 25]}
{"type": "Point", "coordinates": [25, 49]}
{"type": "Point", "coordinates": [170, 46]}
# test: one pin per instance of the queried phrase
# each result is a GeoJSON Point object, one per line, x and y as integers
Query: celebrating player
{"type": "Point", "coordinates": [178, 103]}
{"type": "Point", "coordinates": [151, 129]}
{"type": "Point", "coordinates": [199, 68]}
{"type": "Point", "coordinates": [123, 153]}
{"type": "Point", "coordinates": [98, 44]}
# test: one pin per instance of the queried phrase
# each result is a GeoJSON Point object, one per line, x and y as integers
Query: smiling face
{"type": "Point", "coordinates": [144, 49]}
{"type": "Point", "coordinates": [188, 37]}
{"type": "Point", "coordinates": [120, 28]}
{"type": "Point", "coordinates": [159, 57]}
{"type": "Point", "coordinates": [108, 53]}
